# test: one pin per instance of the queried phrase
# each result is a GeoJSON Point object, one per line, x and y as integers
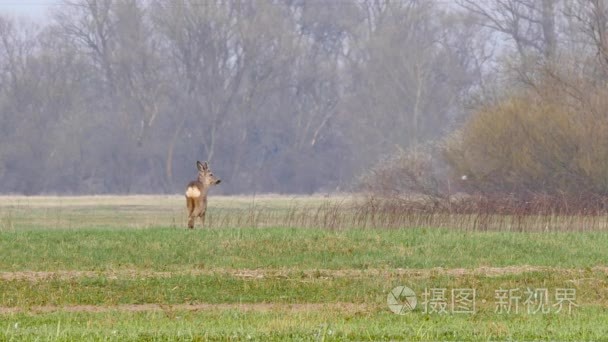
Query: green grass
{"type": "Point", "coordinates": [180, 249]}
{"type": "Point", "coordinates": [289, 325]}
{"type": "Point", "coordinates": [88, 269]}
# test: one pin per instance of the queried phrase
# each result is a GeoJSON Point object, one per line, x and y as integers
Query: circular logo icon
{"type": "Point", "coordinates": [401, 300]}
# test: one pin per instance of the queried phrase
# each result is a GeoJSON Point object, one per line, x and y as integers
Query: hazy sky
{"type": "Point", "coordinates": [29, 8]}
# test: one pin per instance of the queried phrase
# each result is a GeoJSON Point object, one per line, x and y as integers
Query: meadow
{"type": "Point", "coordinates": [291, 268]}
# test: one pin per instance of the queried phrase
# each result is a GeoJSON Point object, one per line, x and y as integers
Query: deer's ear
{"type": "Point", "coordinates": [202, 166]}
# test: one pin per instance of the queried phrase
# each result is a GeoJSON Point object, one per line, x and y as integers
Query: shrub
{"type": "Point", "coordinates": [549, 142]}
{"type": "Point", "coordinates": [419, 171]}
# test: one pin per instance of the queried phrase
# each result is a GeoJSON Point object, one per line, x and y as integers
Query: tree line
{"type": "Point", "coordinates": [287, 96]}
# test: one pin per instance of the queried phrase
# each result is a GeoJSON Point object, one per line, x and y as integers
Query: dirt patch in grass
{"type": "Point", "coordinates": [246, 307]}
{"type": "Point", "coordinates": [291, 273]}
{"type": "Point", "coordinates": [68, 275]}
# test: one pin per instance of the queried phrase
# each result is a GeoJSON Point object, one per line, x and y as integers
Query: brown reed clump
{"type": "Point", "coordinates": [538, 213]}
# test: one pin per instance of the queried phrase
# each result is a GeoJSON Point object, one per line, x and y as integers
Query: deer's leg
{"type": "Point", "coordinates": [202, 216]}
{"type": "Point", "coordinates": [191, 202]}
{"type": "Point", "coordinates": [200, 208]}
{"type": "Point", "coordinates": [190, 205]}
{"type": "Point", "coordinates": [191, 222]}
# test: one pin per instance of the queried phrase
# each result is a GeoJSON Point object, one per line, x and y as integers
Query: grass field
{"type": "Point", "coordinates": [125, 268]}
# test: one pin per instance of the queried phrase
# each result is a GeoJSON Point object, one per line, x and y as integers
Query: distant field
{"type": "Point", "coordinates": [146, 211]}
{"type": "Point", "coordinates": [125, 268]}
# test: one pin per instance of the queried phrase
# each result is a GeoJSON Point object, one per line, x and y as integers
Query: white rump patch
{"type": "Point", "coordinates": [193, 192]}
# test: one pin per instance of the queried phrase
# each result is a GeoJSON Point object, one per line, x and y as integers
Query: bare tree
{"type": "Point", "coordinates": [589, 22]}
{"type": "Point", "coordinates": [410, 87]}
{"type": "Point", "coordinates": [117, 38]}
{"type": "Point", "coordinates": [530, 24]}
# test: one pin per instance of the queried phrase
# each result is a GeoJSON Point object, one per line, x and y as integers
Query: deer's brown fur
{"type": "Point", "coordinates": [196, 193]}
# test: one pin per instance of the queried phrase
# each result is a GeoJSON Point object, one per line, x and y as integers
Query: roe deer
{"type": "Point", "coordinates": [196, 193]}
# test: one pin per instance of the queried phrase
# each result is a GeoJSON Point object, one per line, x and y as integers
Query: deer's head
{"type": "Point", "coordinates": [205, 175]}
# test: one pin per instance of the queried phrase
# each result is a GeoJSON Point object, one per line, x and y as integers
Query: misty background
{"type": "Point", "coordinates": [285, 96]}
